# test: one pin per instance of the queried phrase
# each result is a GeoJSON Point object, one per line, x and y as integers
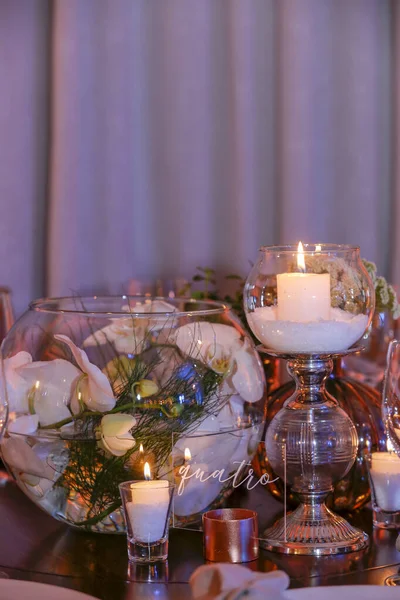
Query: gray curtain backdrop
{"type": "Point", "coordinates": [141, 138]}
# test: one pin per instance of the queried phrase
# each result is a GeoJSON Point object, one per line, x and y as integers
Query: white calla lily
{"type": "Point", "coordinates": [115, 433]}
{"type": "Point", "coordinates": [96, 390]}
{"type": "Point", "coordinates": [17, 388]}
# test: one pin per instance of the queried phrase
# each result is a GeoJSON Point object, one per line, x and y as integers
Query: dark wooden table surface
{"type": "Point", "coordinates": [34, 546]}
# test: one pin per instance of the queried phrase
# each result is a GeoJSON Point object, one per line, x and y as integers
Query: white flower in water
{"type": "Point", "coordinates": [219, 359]}
{"type": "Point", "coordinates": [209, 454]}
{"type": "Point", "coordinates": [51, 386]}
{"type": "Point", "coordinates": [222, 349]}
{"type": "Point", "coordinates": [19, 455]}
{"type": "Point", "coordinates": [248, 378]}
{"type": "Point", "coordinates": [129, 334]}
{"type": "Point", "coordinates": [23, 425]}
{"type": "Point", "coordinates": [36, 468]}
{"type": "Point", "coordinates": [94, 387]}
{"type": "Point", "coordinates": [17, 388]}
{"type": "Point", "coordinates": [115, 433]}
{"type": "Point", "coordinates": [42, 387]}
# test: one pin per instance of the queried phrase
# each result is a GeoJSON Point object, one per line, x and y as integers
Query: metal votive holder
{"type": "Point", "coordinates": [230, 535]}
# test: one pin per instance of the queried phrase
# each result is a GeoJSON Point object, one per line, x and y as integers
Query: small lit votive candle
{"type": "Point", "coordinates": [147, 507]}
{"type": "Point", "coordinates": [384, 473]}
{"type": "Point", "coordinates": [147, 511]}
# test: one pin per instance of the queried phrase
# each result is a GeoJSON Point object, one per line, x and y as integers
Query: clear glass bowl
{"type": "Point", "coordinates": [99, 386]}
{"type": "Point", "coordinates": [312, 299]}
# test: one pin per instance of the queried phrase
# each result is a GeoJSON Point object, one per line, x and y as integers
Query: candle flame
{"type": "Point", "coordinates": [318, 248]}
{"type": "Point", "coordinates": [147, 473]}
{"type": "Point", "coordinates": [300, 257]}
{"type": "Point", "coordinates": [37, 384]}
{"type": "Point", "coordinates": [141, 449]}
{"type": "Point", "coordinates": [188, 454]}
{"type": "Point", "coordinates": [389, 446]}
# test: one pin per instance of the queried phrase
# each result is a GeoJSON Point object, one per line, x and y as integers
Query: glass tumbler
{"type": "Point", "coordinates": [384, 478]}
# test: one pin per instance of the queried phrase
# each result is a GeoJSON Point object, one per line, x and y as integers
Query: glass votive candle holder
{"type": "Point", "coordinates": [384, 479]}
{"type": "Point", "coordinates": [147, 509]}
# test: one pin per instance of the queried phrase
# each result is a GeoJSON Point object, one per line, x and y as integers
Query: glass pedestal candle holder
{"type": "Point", "coordinates": [310, 305]}
{"type": "Point", "coordinates": [384, 478]}
{"type": "Point", "coordinates": [147, 509]}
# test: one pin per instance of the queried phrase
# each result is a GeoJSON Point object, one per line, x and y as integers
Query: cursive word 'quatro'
{"type": "Point", "coordinates": [219, 475]}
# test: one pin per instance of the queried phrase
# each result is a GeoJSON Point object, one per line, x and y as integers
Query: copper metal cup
{"type": "Point", "coordinates": [230, 535]}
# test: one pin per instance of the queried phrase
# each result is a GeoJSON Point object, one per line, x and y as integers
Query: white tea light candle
{"type": "Point", "coordinates": [385, 475]}
{"type": "Point", "coordinates": [148, 509]}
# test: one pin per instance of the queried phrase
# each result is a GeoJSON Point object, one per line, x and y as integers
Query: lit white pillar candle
{"type": "Point", "coordinates": [147, 512]}
{"type": "Point", "coordinates": [385, 474]}
{"type": "Point", "coordinates": [303, 297]}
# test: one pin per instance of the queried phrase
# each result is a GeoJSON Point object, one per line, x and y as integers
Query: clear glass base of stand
{"type": "Point", "coordinates": [311, 443]}
{"type": "Point", "coordinates": [315, 530]}
{"type": "Point", "coordinates": [151, 552]}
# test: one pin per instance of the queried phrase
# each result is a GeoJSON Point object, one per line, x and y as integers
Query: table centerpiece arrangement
{"type": "Point", "coordinates": [97, 387]}
{"type": "Point", "coordinates": [310, 305]}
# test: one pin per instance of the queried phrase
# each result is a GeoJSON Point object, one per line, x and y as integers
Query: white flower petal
{"type": "Point", "coordinates": [199, 338]}
{"type": "Point", "coordinates": [118, 446]}
{"type": "Point", "coordinates": [24, 425]}
{"type": "Point", "coordinates": [100, 392]}
{"type": "Point", "coordinates": [209, 453]}
{"type": "Point", "coordinates": [19, 455]}
{"type": "Point", "coordinates": [127, 335]}
{"type": "Point", "coordinates": [117, 424]}
{"type": "Point", "coordinates": [52, 384]}
{"type": "Point", "coordinates": [18, 360]}
{"type": "Point", "coordinates": [249, 376]}
{"type": "Point", "coordinates": [17, 388]}
{"type": "Point", "coordinates": [109, 333]}
{"type": "Point", "coordinates": [231, 413]}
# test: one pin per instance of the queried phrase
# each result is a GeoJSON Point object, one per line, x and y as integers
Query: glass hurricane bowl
{"type": "Point", "coordinates": [310, 299]}
{"type": "Point", "coordinates": [97, 387]}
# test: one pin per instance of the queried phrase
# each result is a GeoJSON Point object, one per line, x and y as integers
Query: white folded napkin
{"type": "Point", "coordinates": [224, 581]}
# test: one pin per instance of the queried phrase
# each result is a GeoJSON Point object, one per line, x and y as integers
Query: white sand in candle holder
{"type": "Point", "coordinates": [338, 333]}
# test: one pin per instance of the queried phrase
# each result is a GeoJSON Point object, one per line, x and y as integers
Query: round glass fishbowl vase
{"type": "Point", "coordinates": [97, 387]}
